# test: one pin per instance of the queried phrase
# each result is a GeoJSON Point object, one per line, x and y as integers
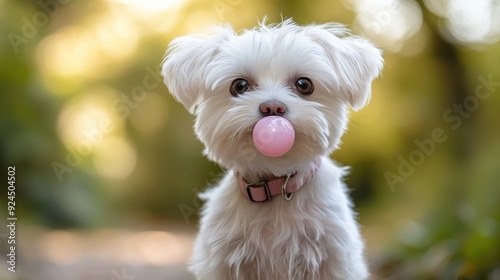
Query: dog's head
{"type": "Point", "coordinates": [309, 75]}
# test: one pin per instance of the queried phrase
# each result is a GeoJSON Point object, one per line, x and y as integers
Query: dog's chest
{"type": "Point", "coordinates": [313, 236]}
{"type": "Point", "coordinates": [281, 245]}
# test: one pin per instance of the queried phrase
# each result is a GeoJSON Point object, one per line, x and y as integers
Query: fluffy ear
{"type": "Point", "coordinates": [185, 64]}
{"type": "Point", "coordinates": [356, 61]}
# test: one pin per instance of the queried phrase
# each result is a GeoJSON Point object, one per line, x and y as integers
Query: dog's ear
{"type": "Point", "coordinates": [356, 61]}
{"type": "Point", "coordinates": [185, 63]}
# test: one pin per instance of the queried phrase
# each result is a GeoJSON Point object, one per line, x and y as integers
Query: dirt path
{"type": "Point", "coordinates": [104, 254]}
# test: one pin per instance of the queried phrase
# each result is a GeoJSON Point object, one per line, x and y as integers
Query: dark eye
{"type": "Point", "coordinates": [304, 86]}
{"type": "Point", "coordinates": [239, 86]}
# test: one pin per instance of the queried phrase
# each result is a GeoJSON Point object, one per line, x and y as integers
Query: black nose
{"type": "Point", "coordinates": [270, 108]}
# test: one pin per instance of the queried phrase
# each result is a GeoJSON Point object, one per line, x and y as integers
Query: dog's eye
{"type": "Point", "coordinates": [239, 86]}
{"type": "Point", "coordinates": [304, 86]}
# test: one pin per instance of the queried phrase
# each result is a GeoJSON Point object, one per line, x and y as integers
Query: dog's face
{"type": "Point", "coordinates": [309, 75]}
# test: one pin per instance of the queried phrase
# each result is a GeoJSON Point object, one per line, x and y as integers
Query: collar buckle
{"type": "Point", "coordinates": [286, 185]}
{"type": "Point", "coordinates": [263, 185]}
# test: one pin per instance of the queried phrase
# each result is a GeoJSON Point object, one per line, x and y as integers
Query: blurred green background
{"type": "Point", "coordinates": [104, 155]}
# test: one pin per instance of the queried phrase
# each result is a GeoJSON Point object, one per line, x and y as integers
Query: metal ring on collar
{"type": "Point", "coordinates": [288, 196]}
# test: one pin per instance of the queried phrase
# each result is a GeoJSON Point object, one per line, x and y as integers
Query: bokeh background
{"type": "Point", "coordinates": [108, 167]}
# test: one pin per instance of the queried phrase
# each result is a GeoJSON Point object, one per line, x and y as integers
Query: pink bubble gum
{"type": "Point", "coordinates": [273, 136]}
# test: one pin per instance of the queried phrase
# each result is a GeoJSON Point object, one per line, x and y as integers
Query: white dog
{"type": "Point", "coordinates": [275, 216]}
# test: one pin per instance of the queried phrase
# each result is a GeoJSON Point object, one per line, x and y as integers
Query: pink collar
{"type": "Point", "coordinates": [285, 185]}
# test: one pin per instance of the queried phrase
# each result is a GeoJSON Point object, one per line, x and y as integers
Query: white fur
{"type": "Point", "coordinates": [314, 236]}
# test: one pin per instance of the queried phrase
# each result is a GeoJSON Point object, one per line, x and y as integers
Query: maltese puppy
{"type": "Point", "coordinates": [271, 105]}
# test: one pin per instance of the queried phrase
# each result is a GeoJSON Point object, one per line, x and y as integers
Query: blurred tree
{"type": "Point", "coordinates": [462, 237]}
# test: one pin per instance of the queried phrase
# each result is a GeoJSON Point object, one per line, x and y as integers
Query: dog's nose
{"type": "Point", "coordinates": [270, 108]}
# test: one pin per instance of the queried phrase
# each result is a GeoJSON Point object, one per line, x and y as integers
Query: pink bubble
{"type": "Point", "coordinates": [273, 136]}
